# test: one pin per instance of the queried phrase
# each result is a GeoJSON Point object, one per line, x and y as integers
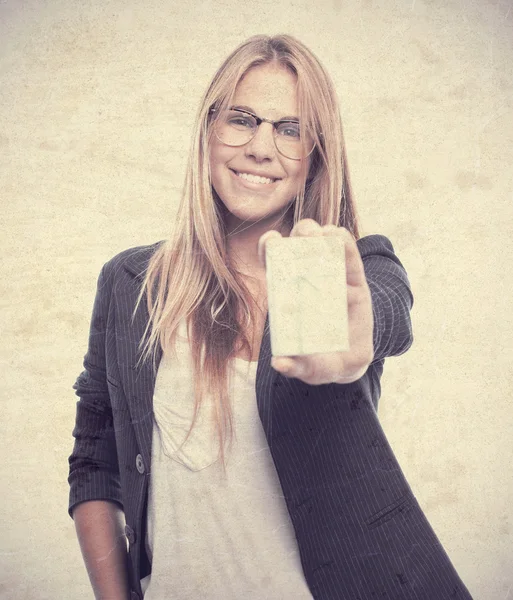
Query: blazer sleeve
{"type": "Point", "coordinates": [392, 298]}
{"type": "Point", "coordinates": [93, 464]}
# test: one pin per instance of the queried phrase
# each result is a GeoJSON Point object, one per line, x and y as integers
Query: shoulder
{"type": "Point", "coordinates": [375, 244]}
{"type": "Point", "coordinates": [380, 260]}
{"type": "Point", "coordinates": [132, 260]}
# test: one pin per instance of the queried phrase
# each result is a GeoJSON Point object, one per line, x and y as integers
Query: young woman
{"type": "Point", "coordinates": [309, 501]}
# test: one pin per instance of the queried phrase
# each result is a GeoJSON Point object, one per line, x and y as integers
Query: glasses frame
{"type": "Point", "coordinates": [259, 121]}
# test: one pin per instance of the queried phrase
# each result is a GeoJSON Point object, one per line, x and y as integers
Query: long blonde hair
{"type": "Point", "coordinates": [190, 276]}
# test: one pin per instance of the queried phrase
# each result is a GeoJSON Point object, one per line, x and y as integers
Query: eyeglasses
{"type": "Point", "coordinates": [235, 127]}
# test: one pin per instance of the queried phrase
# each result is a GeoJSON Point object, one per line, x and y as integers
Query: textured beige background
{"type": "Point", "coordinates": [97, 99]}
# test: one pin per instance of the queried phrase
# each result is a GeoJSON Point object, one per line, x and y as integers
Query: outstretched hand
{"type": "Point", "coordinates": [334, 367]}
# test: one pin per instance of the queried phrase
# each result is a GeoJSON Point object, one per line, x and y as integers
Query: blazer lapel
{"type": "Point", "coordinates": [138, 380]}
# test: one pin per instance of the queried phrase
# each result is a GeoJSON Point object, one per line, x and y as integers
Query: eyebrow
{"type": "Point", "coordinates": [250, 110]}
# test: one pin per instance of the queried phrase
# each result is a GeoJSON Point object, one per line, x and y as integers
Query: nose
{"type": "Point", "coordinates": [261, 146]}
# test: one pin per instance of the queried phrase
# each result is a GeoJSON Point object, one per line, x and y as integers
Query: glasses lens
{"type": "Point", "coordinates": [289, 141]}
{"type": "Point", "coordinates": [235, 128]}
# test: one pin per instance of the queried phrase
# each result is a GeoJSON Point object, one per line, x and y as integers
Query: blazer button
{"type": "Point", "coordinates": [130, 534]}
{"type": "Point", "coordinates": [134, 595]}
{"type": "Point", "coordinates": [139, 464]}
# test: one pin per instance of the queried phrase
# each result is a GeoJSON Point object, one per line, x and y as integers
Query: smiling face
{"type": "Point", "coordinates": [268, 91]}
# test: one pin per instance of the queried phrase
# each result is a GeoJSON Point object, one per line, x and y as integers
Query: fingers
{"type": "Point", "coordinates": [306, 227]}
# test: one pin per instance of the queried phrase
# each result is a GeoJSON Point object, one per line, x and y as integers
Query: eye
{"type": "Point", "coordinates": [289, 129]}
{"type": "Point", "coordinates": [240, 120]}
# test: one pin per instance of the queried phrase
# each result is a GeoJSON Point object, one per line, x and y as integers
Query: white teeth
{"type": "Point", "coordinates": [255, 178]}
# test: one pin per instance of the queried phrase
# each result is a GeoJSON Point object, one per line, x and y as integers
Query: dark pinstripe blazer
{"type": "Point", "coordinates": [360, 530]}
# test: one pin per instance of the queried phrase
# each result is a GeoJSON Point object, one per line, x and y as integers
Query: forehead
{"type": "Point", "coordinates": [270, 90]}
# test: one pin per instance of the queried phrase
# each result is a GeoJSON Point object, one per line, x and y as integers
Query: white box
{"type": "Point", "coordinates": [307, 295]}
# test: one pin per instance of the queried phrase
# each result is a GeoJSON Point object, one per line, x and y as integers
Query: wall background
{"type": "Point", "coordinates": [97, 101]}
